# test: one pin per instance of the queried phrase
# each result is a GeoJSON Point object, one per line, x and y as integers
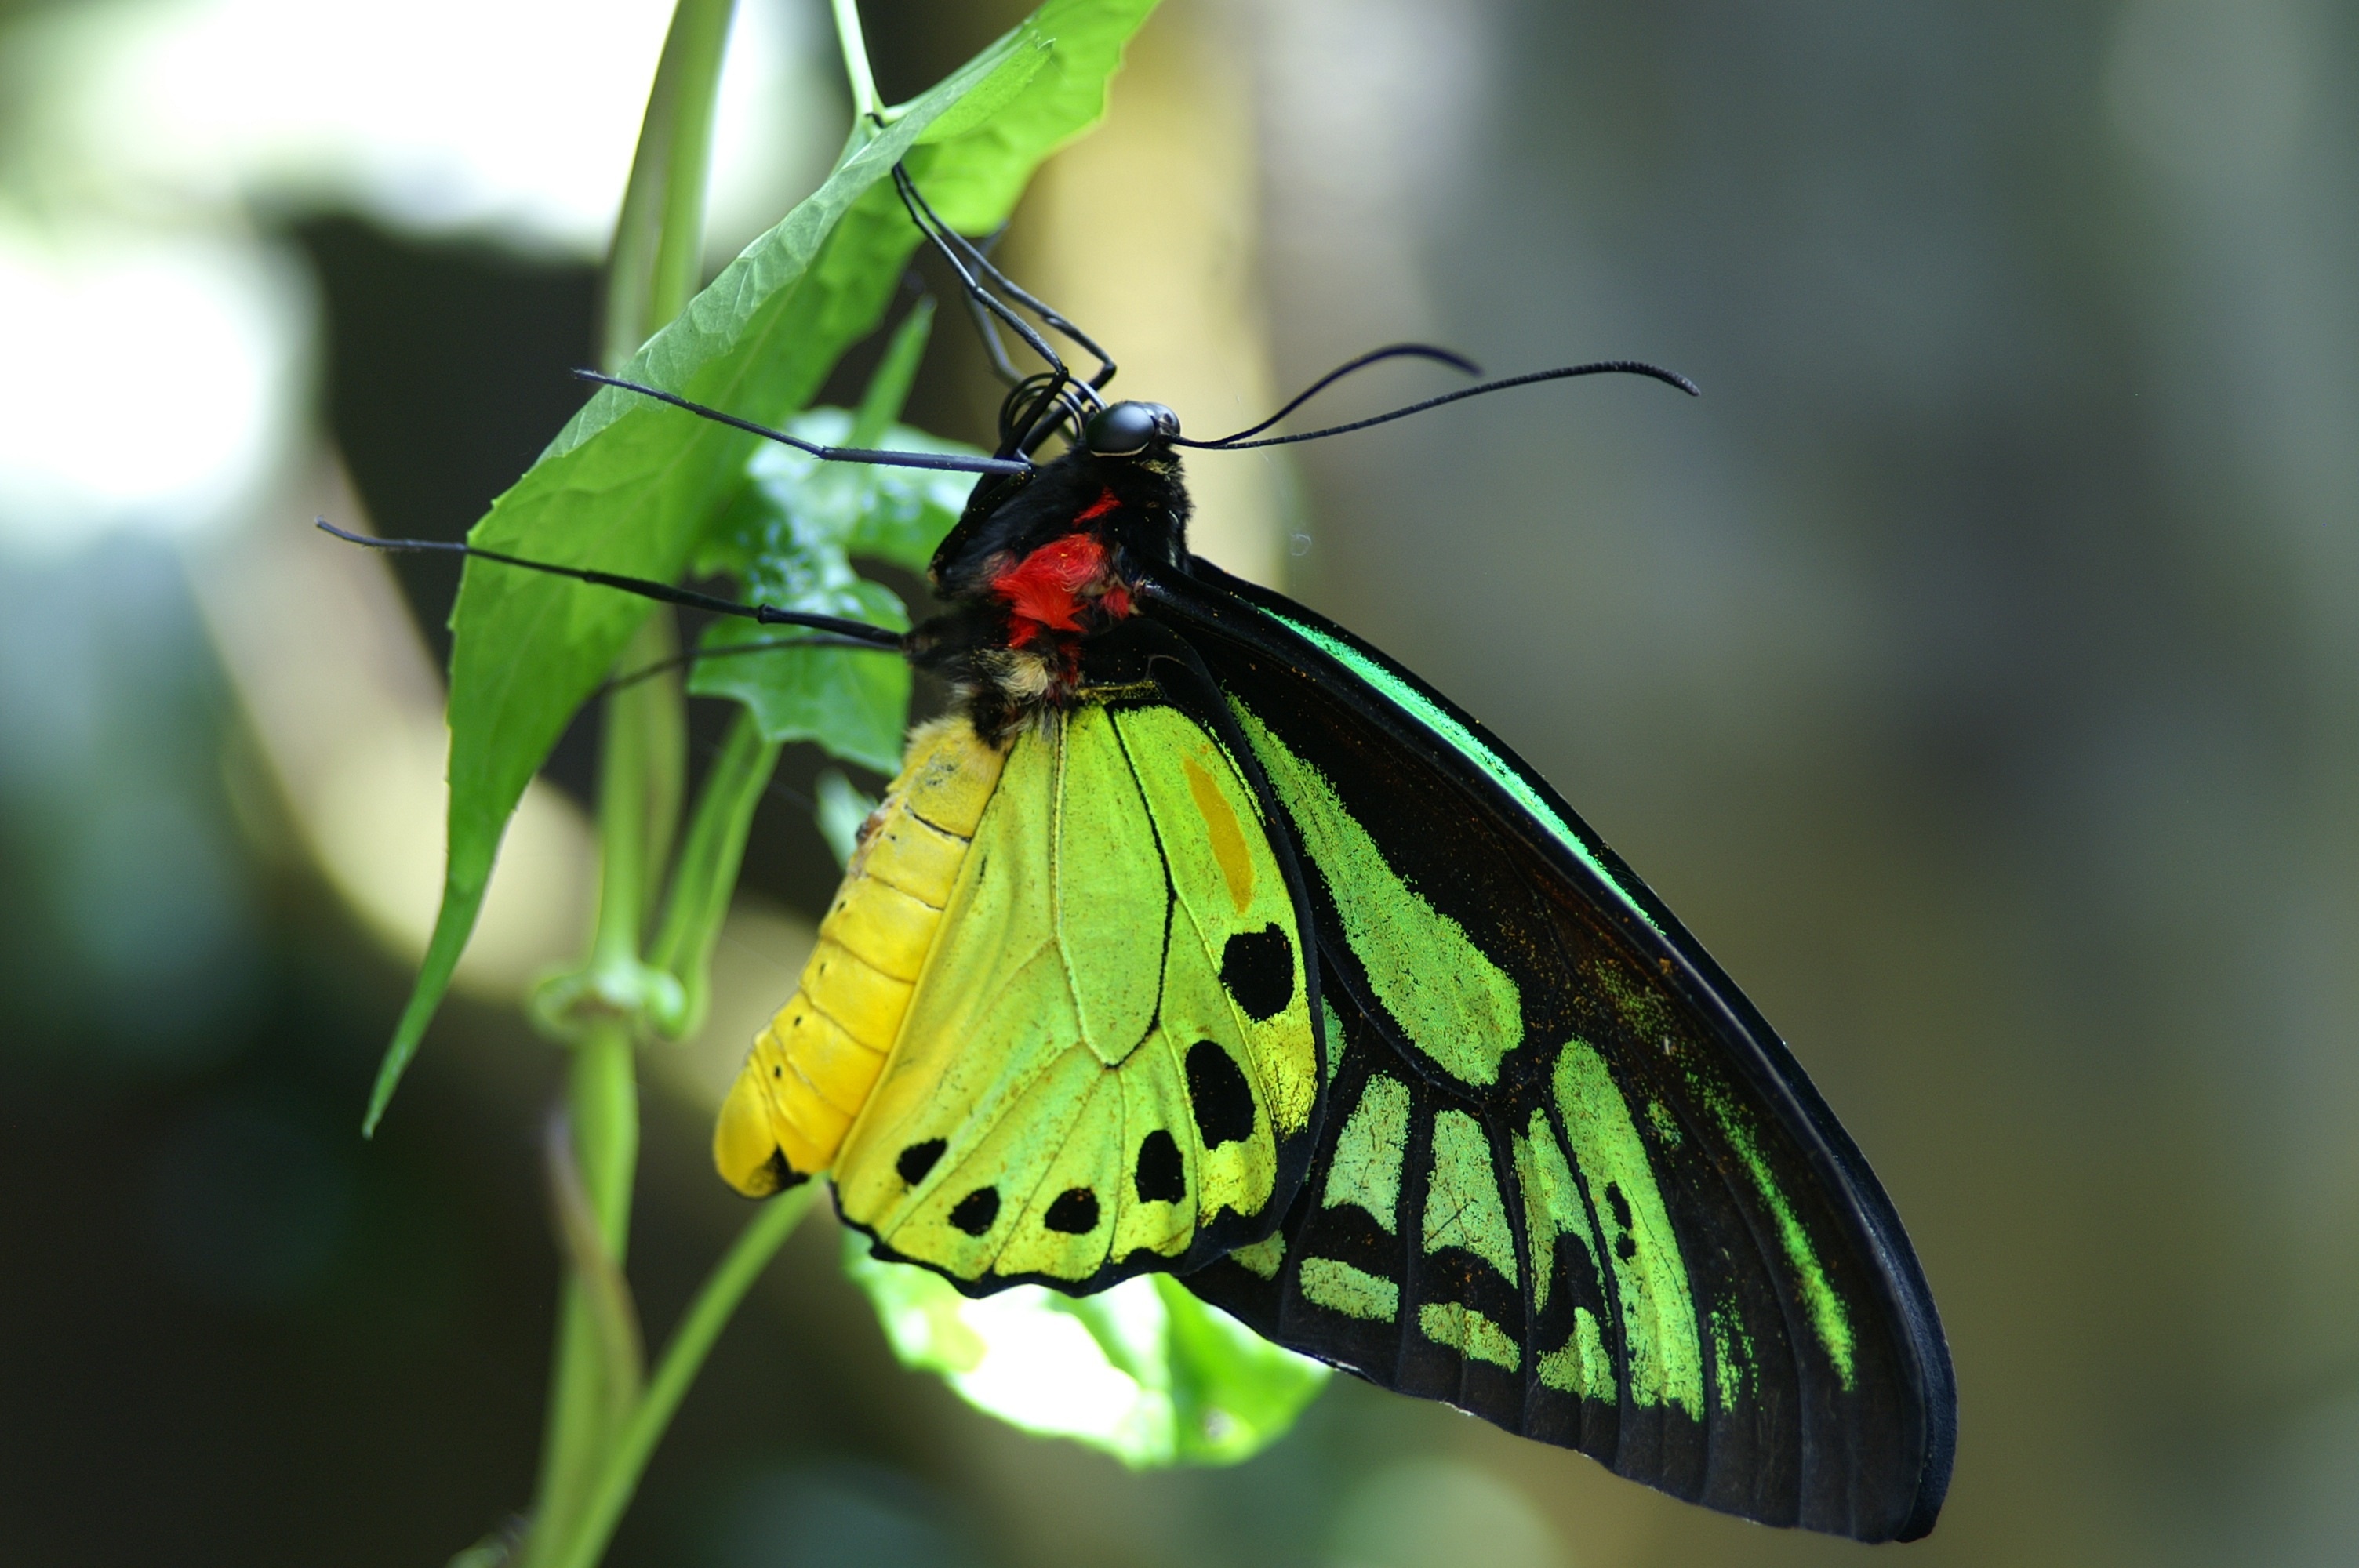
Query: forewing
{"type": "Point", "coordinates": [1109, 1065]}
{"type": "Point", "coordinates": [1567, 1179]}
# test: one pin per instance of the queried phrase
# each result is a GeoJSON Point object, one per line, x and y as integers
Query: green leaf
{"type": "Point", "coordinates": [796, 500]}
{"type": "Point", "coordinates": [976, 160]}
{"type": "Point", "coordinates": [789, 539]}
{"type": "Point", "coordinates": [888, 385]}
{"type": "Point", "coordinates": [629, 485]}
{"type": "Point", "coordinates": [1142, 1371]}
{"type": "Point", "coordinates": [853, 703]}
{"type": "Point", "coordinates": [838, 811]}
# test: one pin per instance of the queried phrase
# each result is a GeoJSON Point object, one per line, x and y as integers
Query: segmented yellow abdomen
{"type": "Point", "coordinates": [812, 1067]}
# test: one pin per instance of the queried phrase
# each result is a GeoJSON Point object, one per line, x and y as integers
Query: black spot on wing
{"type": "Point", "coordinates": [1159, 1177]}
{"type": "Point", "coordinates": [917, 1158]}
{"type": "Point", "coordinates": [1076, 1212]}
{"type": "Point", "coordinates": [975, 1211]}
{"type": "Point", "coordinates": [1217, 1093]}
{"type": "Point", "coordinates": [1626, 1246]}
{"type": "Point", "coordinates": [1258, 968]}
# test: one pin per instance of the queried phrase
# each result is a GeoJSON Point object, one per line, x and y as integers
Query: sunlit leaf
{"type": "Point", "coordinates": [629, 486]}
{"type": "Point", "coordinates": [1143, 1371]}
{"type": "Point", "coordinates": [839, 809]}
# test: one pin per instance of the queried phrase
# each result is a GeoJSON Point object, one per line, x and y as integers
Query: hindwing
{"type": "Point", "coordinates": [1111, 1060]}
{"type": "Point", "coordinates": [1568, 1180]}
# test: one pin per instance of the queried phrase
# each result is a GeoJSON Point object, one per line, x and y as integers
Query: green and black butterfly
{"type": "Point", "coordinates": [1199, 936]}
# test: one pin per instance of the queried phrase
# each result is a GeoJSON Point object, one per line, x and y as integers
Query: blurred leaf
{"type": "Point", "coordinates": [1232, 1392]}
{"type": "Point", "coordinates": [789, 539]}
{"type": "Point", "coordinates": [840, 809]}
{"type": "Point", "coordinates": [896, 515]}
{"type": "Point", "coordinates": [1143, 1371]}
{"type": "Point", "coordinates": [853, 703]}
{"type": "Point", "coordinates": [629, 485]}
{"type": "Point", "coordinates": [888, 385]}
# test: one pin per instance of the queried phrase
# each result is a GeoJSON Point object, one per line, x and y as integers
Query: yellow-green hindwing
{"type": "Point", "coordinates": [1109, 1048]}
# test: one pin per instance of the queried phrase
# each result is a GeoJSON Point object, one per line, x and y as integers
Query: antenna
{"type": "Point", "coordinates": [1238, 442]}
{"type": "Point", "coordinates": [954, 462]}
{"type": "Point", "coordinates": [857, 634]}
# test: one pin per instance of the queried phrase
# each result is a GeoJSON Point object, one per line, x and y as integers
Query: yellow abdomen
{"type": "Point", "coordinates": [811, 1069]}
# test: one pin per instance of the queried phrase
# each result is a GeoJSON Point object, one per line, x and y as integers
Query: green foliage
{"type": "Point", "coordinates": [1143, 1371]}
{"type": "Point", "coordinates": [790, 539]}
{"type": "Point", "coordinates": [839, 810]}
{"type": "Point", "coordinates": [630, 486]}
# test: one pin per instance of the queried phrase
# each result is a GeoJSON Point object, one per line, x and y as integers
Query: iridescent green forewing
{"type": "Point", "coordinates": [1567, 1179]}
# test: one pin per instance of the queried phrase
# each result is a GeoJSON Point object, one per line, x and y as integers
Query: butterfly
{"type": "Point", "coordinates": [1199, 936]}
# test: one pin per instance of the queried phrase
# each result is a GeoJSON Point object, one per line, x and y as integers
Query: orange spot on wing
{"type": "Point", "coordinates": [1228, 840]}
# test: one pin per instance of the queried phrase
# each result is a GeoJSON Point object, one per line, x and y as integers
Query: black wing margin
{"type": "Point", "coordinates": [1634, 1228]}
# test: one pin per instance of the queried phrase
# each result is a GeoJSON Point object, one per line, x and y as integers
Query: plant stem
{"type": "Point", "coordinates": [589, 1396]}
{"type": "Point", "coordinates": [659, 237]}
{"type": "Point", "coordinates": [709, 858]}
{"type": "Point", "coordinates": [864, 105]}
{"type": "Point", "coordinates": [638, 780]}
{"type": "Point", "coordinates": [627, 1459]}
{"type": "Point", "coordinates": [586, 1408]}
{"type": "Point", "coordinates": [653, 270]}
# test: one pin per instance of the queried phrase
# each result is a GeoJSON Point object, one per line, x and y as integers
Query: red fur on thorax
{"type": "Point", "coordinates": [1047, 590]}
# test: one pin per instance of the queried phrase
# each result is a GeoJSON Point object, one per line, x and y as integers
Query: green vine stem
{"type": "Point", "coordinates": [653, 270]}
{"type": "Point", "coordinates": [600, 1020]}
{"type": "Point", "coordinates": [682, 1358]}
{"type": "Point", "coordinates": [865, 106]}
{"type": "Point", "coordinates": [707, 872]}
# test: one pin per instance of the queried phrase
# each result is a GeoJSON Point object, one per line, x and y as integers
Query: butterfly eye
{"type": "Point", "coordinates": [1125, 429]}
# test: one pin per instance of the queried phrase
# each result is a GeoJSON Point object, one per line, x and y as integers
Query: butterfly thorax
{"type": "Point", "coordinates": [1038, 571]}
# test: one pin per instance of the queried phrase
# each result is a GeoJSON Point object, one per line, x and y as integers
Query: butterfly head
{"type": "Point", "coordinates": [1118, 487]}
{"type": "Point", "coordinates": [1130, 429]}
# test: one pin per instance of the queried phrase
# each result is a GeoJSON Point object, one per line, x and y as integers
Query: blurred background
{"type": "Point", "coordinates": [1975, 668]}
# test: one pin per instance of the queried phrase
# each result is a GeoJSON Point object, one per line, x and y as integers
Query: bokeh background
{"type": "Point", "coordinates": [1975, 668]}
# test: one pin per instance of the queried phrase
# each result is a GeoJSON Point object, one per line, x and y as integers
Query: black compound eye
{"type": "Point", "coordinates": [1123, 429]}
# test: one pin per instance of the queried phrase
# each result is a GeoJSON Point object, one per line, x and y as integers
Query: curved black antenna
{"type": "Point", "coordinates": [1067, 410]}
{"type": "Point", "coordinates": [859, 634]}
{"type": "Point", "coordinates": [1374, 356]}
{"type": "Point", "coordinates": [933, 229]}
{"type": "Point", "coordinates": [945, 238]}
{"type": "Point", "coordinates": [1025, 403]}
{"type": "Point", "coordinates": [1066, 396]}
{"type": "Point", "coordinates": [1037, 407]}
{"type": "Point", "coordinates": [1602, 367]}
{"type": "Point", "coordinates": [953, 462]}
